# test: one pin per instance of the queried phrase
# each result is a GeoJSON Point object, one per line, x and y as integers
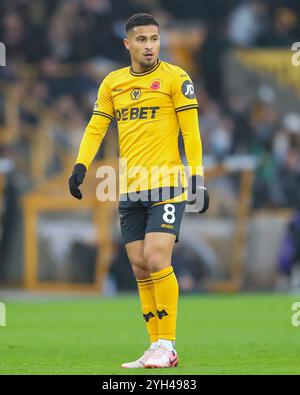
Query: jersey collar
{"type": "Point", "coordinates": [146, 72]}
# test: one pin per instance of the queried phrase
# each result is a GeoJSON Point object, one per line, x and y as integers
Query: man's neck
{"type": "Point", "coordinates": [137, 68]}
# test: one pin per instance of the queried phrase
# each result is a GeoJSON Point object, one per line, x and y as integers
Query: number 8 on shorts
{"type": "Point", "coordinates": [169, 213]}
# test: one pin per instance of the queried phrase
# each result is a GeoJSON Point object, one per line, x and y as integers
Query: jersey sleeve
{"type": "Point", "coordinates": [97, 126]}
{"type": "Point", "coordinates": [92, 139]}
{"type": "Point", "coordinates": [183, 92]}
{"type": "Point", "coordinates": [104, 106]}
{"type": "Point", "coordinates": [189, 125]}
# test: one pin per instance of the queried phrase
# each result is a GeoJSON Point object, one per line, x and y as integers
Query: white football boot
{"type": "Point", "coordinates": [140, 363]}
{"type": "Point", "coordinates": [162, 357]}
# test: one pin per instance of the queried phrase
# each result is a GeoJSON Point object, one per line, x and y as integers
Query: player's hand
{"type": "Point", "coordinates": [197, 187]}
{"type": "Point", "coordinates": [76, 179]}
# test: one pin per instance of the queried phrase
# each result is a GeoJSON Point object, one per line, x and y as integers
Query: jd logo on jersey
{"type": "Point", "coordinates": [135, 93]}
{"type": "Point", "coordinates": [187, 89]}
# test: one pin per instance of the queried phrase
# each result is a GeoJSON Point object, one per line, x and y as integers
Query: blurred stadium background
{"type": "Point", "coordinates": [239, 55]}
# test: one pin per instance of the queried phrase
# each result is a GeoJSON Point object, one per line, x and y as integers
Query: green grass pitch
{"type": "Point", "coordinates": [217, 334]}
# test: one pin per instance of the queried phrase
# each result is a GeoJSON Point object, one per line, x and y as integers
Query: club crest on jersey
{"type": "Point", "coordinates": [187, 89]}
{"type": "Point", "coordinates": [135, 93]}
{"type": "Point", "coordinates": [155, 85]}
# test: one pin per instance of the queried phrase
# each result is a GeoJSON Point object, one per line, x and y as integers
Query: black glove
{"type": "Point", "coordinates": [196, 184]}
{"type": "Point", "coordinates": [76, 179]}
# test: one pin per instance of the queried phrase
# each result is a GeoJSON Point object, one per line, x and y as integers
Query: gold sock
{"type": "Point", "coordinates": [147, 298]}
{"type": "Point", "coordinates": [166, 297]}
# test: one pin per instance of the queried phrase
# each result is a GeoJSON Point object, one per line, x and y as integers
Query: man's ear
{"type": "Point", "coordinates": [126, 43]}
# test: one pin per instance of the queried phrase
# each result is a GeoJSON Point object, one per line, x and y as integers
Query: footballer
{"type": "Point", "coordinates": [152, 101]}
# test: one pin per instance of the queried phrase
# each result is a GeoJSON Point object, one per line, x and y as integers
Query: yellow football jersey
{"type": "Point", "coordinates": [147, 107]}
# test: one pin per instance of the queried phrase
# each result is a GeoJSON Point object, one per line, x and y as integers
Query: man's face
{"type": "Point", "coordinates": [143, 43]}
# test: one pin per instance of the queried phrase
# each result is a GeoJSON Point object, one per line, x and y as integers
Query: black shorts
{"type": "Point", "coordinates": [145, 215]}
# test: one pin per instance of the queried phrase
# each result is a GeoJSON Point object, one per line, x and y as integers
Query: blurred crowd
{"type": "Point", "coordinates": [58, 51]}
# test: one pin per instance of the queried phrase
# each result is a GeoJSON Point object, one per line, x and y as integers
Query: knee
{"type": "Point", "coordinates": [155, 259]}
{"type": "Point", "coordinates": [139, 268]}
{"type": "Point", "coordinates": [137, 262]}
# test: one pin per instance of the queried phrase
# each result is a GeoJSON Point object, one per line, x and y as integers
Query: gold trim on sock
{"type": "Point", "coordinates": [147, 280]}
{"type": "Point", "coordinates": [162, 273]}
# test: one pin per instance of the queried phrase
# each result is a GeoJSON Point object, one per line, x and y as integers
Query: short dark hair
{"type": "Point", "coordinates": [140, 19]}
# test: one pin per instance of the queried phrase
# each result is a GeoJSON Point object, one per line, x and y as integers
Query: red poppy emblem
{"type": "Point", "coordinates": [155, 85]}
